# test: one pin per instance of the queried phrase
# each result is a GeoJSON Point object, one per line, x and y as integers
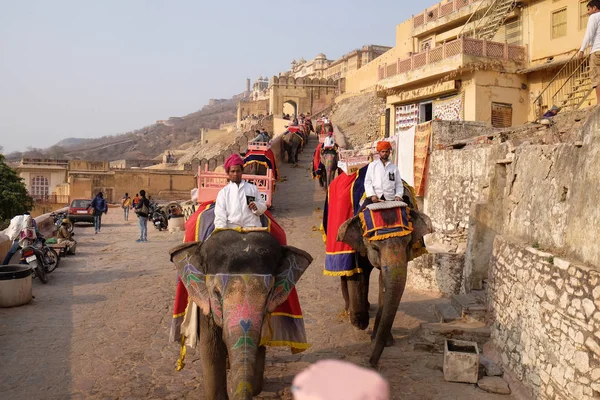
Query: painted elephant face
{"type": "Point", "coordinates": [351, 232]}
{"type": "Point", "coordinates": [210, 292]}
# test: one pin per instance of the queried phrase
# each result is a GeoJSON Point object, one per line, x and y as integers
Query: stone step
{"type": "Point", "coordinates": [444, 312]}
{"type": "Point", "coordinates": [436, 333]}
{"type": "Point", "coordinates": [470, 306]}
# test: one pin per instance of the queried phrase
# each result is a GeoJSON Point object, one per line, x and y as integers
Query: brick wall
{"type": "Point", "coordinates": [546, 321]}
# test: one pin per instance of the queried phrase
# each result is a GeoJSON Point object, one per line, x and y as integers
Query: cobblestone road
{"type": "Point", "coordinates": [99, 329]}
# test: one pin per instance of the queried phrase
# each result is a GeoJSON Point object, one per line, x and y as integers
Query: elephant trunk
{"type": "Point", "coordinates": [242, 349]}
{"type": "Point", "coordinates": [394, 281]}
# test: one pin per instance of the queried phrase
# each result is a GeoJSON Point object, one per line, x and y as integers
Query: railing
{"type": "Point", "coordinates": [465, 46]}
{"type": "Point", "coordinates": [566, 82]}
{"type": "Point", "coordinates": [441, 10]}
{"type": "Point", "coordinates": [485, 22]}
{"type": "Point", "coordinates": [51, 198]}
{"type": "Point", "coordinates": [210, 183]}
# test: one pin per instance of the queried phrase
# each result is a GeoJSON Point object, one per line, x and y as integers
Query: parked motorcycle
{"type": "Point", "coordinates": [58, 218]}
{"type": "Point", "coordinates": [158, 217]}
{"type": "Point", "coordinates": [41, 258]}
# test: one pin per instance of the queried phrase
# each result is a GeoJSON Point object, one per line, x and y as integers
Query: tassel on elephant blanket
{"type": "Point", "coordinates": [283, 328]}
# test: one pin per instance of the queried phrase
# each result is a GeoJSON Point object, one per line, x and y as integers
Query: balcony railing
{"type": "Point", "coordinates": [465, 46]}
{"type": "Point", "coordinates": [51, 198]}
{"type": "Point", "coordinates": [440, 10]}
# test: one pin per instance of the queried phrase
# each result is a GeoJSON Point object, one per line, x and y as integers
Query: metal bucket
{"type": "Point", "coordinates": [15, 285]}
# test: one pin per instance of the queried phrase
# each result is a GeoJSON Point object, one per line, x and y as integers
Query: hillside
{"type": "Point", "coordinates": [145, 143]}
{"type": "Point", "coordinates": [359, 118]}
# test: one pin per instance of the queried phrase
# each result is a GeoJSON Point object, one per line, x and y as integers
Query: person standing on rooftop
{"type": "Point", "coordinates": [592, 38]}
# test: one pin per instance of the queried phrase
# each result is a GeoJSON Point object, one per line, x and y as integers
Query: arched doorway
{"type": "Point", "coordinates": [290, 107]}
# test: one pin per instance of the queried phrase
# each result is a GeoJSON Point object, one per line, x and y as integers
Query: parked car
{"type": "Point", "coordinates": [78, 211]}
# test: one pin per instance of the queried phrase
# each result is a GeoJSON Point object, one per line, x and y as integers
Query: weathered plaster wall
{"type": "Point", "coordinates": [456, 180]}
{"type": "Point", "coordinates": [546, 321]}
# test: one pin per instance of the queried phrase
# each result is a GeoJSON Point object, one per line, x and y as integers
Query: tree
{"type": "Point", "coordinates": [14, 199]}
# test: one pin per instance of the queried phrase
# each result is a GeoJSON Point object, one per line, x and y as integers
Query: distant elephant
{"type": "Point", "coordinates": [391, 257]}
{"type": "Point", "coordinates": [291, 145]}
{"type": "Point", "coordinates": [255, 169]}
{"type": "Point", "coordinates": [329, 159]}
{"type": "Point", "coordinates": [235, 279]}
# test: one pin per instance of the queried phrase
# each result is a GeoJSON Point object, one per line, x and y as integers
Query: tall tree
{"type": "Point", "coordinates": [14, 199]}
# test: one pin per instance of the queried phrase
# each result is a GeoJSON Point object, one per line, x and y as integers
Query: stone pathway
{"type": "Point", "coordinates": [99, 329]}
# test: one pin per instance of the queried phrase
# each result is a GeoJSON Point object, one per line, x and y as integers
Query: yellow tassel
{"type": "Point", "coordinates": [182, 352]}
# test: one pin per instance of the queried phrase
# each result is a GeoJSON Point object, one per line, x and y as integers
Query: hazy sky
{"type": "Point", "coordinates": [92, 68]}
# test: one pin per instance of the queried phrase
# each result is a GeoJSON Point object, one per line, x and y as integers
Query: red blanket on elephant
{"type": "Point", "coordinates": [262, 157]}
{"type": "Point", "coordinates": [286, 325]}
{"type": "Point", "coordinates": [317, 161]}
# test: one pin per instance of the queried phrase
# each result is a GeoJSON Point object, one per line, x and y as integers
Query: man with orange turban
{"type": "Point", "coordinates": [238, 204]}
{"type": "Point", "coordinates": [383, 181]}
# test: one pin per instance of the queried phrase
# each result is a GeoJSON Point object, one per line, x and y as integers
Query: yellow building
{"type": "Point", "coordinates": [503, 62]}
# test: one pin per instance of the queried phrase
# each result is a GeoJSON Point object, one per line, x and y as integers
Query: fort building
{"type": "Point", "coordinates": [502, 62]}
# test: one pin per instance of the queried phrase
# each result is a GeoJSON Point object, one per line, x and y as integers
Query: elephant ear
{"type": "Point", "coordinates": [351, 233]}
{"type": "Point", "coordinates": [186, 259]}
{"type": "Point", "coordinates": [291, 267]}
{"type": "Point", "coordinates": [421, 226]}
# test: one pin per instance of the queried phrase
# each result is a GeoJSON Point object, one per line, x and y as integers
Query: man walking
{"type": "Point", "coordinates": [126, 204]}
{"type": "Point", "coordinates": [99, 206]}
{"type": "Point", "coordinates": [142, 209]}
{"type": "Point", "coordinates": [592, 38]}
{"type": "Point", "coordinates": [383, 181]}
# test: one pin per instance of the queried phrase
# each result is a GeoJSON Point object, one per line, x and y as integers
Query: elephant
{"type": "Point", "coordinates": [329, 159]}
{"type": "Point", "coordinates": [235, 278]}
{"type": "Point", "coordinates": [291, 144]}
{"type": "Point", "coordinates": [255, 169]}
{"type": "Point", "coordinates": [391, 257]}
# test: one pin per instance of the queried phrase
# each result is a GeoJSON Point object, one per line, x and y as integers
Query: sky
{"type": "Point", "coordinates": [86, 68]}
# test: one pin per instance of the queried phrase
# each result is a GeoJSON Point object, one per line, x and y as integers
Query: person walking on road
{"type": "Point", "coordinates": [126, 204]}
{"type": "Point", "coordinates": [99, 206]}
{"type": "Point", "coordinates": [592, 38]}
{"type": "Point", "coordinates": [136, 200]}
{"type": "Point", "coordinates": [142, 209]}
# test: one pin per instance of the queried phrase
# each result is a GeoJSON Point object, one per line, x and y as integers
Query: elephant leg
{"type": "Point", "coordinates": [214, 355]}
{"type": "Point", "coordinates": [389, 339]}
{"type": "Point", "coordinates": [345, 294]}
{"type": "Point", "coordinates": [358, 291]}
{"type": "Point", "coordinates": [259, 371]}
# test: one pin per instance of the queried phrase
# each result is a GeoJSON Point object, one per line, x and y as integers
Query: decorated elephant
{"type": "Point", "coordinates": [291, 144]}
{"type": "Point", "coordinates": [390, 253]}
{"type": "Point", "coordinates": [329, 159]}
{"type": "Point", "coordinates": [255, 169]}
{"type": "Point", "coordinates": [236, 279]}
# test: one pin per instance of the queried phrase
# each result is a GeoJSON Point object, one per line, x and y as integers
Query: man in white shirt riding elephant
{"type": "Point", "coordinates": [238, 204]}
{"type": "Point", "coordinates": [383, 181]}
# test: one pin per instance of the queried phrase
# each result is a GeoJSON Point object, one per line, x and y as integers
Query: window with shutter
{"type": "Point", "coordinates": [559, 23]}
{"type": "Point", "coordinates": [501, 115]}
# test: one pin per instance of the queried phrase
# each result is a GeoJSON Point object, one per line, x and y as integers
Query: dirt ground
{"type": "Point", "coordinates": [99, 328]}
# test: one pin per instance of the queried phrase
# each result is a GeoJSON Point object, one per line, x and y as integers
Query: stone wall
{"type": "Point", "coordinates": [546, 321]}
{"type": "Point", "coordinates": [436, 272]}
{"type": "Point", "coordinates": [448, 132]}
{"type": "Point", "coordinates": [456, 180]}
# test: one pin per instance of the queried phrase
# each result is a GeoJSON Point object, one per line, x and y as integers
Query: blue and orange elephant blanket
{"type": "Point", "coordinates": [285, 324]}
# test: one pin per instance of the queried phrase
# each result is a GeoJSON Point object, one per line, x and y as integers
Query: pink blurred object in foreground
{"type": "Point", "coordinates": [339, 380]}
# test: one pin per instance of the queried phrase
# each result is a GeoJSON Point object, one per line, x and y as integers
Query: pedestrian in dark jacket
{"type": "Point", "coordinates": [142, 209]}
{"type": "Point", "coordinates": [99, 206]}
